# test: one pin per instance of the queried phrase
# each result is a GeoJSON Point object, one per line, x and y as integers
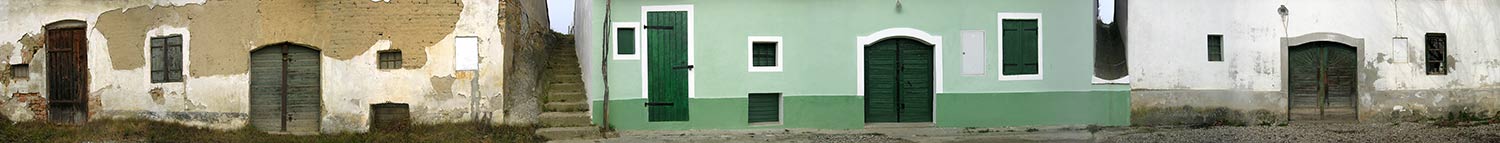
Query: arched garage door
{"type": "Point", "coordinates": [285, 92]}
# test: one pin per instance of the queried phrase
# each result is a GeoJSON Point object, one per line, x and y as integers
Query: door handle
{"type": "Point", "coordinates": [689, 67]}
{"type": "Point", "coordinates": [649, 104]}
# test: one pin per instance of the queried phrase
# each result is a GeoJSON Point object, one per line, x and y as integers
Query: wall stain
{"type": "Point", "coordinates": [442, 87]}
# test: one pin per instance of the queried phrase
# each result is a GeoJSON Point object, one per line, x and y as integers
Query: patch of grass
{"type": "Point", "coordinates": [137, 130]}
{"type": "Point", "coordinates": [1465, 118]}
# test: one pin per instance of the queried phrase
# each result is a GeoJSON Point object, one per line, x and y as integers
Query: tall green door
{"type": "Point", "coordinates": [898, 81]}
{"type": "Point", "coordinates": [1322, 82]}
{"type": "Point", "coordinates": [667, 66]}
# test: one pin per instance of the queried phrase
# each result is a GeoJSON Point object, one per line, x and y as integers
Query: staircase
{"type": "Point", "coordinates": [565, 111]}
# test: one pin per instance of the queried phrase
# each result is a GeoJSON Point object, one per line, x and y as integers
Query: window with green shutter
{"type": "Point", "coordinates": [764, 108]}
{"type": "Point", "coordinates": [1020, 46]}
{"type": "Point", "coordinates": [1215, 48]}
{"type": "Point", "coordinates": [166, 59]}
{"type": "Point", "coordinates": [626, 41]}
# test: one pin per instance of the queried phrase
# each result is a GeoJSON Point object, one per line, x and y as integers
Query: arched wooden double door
{"type": "Point", "coordinates": [898, 81]}
{"type": "Point", "coordinates": [285, 88]}
{"type": "Point", "coordinates": [1322, 82]}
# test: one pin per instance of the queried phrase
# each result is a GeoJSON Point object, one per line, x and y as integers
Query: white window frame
{"type": "Point", "coordinates": [1040, 45]}
{"type": "Point", "coordinates": [614, 41]}
{"type": "Point", "coordinates": [750, 52]}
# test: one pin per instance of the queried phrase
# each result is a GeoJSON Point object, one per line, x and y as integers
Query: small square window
{"type": "Point", "coordinates": [1215, 48]}
{"type": "Point", "coordinates": [625, 41]}
{"type": "Point", "coordinates": [166, 59]}
{"type": "Point", "coordinates": [389, 59]}
{"type": "Point", "coordinates": [20, 71]}
{"type": "Point", "coordinates": [764, 108]}
{"type": "Point", "coordinates": [1437, 54]}
{"type": "Point", "coordinates": [765, 54]}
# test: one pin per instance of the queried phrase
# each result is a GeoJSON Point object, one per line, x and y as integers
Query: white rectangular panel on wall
{"type": "Point", "coordinates": [1399, 49]}
{"type": "Point", "coordinates": [466, 53]}
{"type": "Point", "coordinates": [973, 52]}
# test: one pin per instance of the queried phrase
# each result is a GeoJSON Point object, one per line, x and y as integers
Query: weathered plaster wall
{"type": "Point", "coordinates": [1168, 54]}
{"type": "Point", "coordinates": [219, 34]}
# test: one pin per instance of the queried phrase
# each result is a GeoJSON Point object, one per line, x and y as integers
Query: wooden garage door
{"type": "Point", "coordinates": [285, 93]}
{"type": "Point", "coordinates": [1322, 82]}
{"type": "Point", "coordinates": [898, 81]}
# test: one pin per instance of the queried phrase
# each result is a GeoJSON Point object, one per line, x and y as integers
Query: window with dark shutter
{"type": "Point", "coordinates": [1437, 54]}
{"type": "Point", "coordinates": [20, 71]}
{"type": "Point", "coordinates": [166, 59]}
{"type": "Point", "coordinates": [1215, 48]}
{"type": "Point", "coordinates": [764, 54]}
{"type": "Point", "coordinates": [389, 59]}
{"type": "Point", "coordinates": [765, 108]}
{"type": "Point", "coordinates": [1020, 47]}
{"type": "Point", "coordinates": [626, 39]}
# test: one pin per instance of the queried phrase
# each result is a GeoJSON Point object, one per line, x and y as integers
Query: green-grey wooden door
{"type": "Point", "coordinates": [898, 81]}
{"type": "Point", "coordinates": [285, 88]}
{"type": "Point", "coordinates": [1322, 82]}
{"type": "Point", "coordinates": [667, 66]}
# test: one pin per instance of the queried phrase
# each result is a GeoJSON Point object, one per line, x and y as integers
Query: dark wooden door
{"type": "Point", "coordinates": [1322, 82]}
{"type": "Point", "coordinates": [285, 88]}
{"type": "Point", "coordinates": [668, 66]}
{"type": "Point", "coordinates": [67, 75]}
{"type": "Point", "coordinates": [898, 81]}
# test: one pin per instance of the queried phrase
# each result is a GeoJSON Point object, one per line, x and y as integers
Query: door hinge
{"type": "Point", "coordinates": [648, 104]}
{"type": "Point", "coordinates": [659, 27]}
{"type": "Point", "coordinates": [689, 67]}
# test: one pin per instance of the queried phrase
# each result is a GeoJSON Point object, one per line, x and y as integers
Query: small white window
{"type": "Point", "coordinates": [765, 54]}
{"type": "Point", "coordinates": [1022, 35]}
{"type": "Point", "coordinates": [466, 53]}
{"type": "Point", "coordinates": [625, 39]}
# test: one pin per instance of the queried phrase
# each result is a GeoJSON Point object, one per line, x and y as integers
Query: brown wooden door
{"type": "Point", "coordinates": [67, 75]}
{"type": "Point", "coordinates": [1322, 82]}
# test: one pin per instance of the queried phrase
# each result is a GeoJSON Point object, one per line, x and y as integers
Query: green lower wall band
{"type": "Point", "coordinates": [1111, 108]}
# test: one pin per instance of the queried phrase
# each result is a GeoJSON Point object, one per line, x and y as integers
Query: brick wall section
{"type": "Point", "coordinates": [411, 25]}
{"type": "Point", "coordinates": [526, 44]}
{"type": "Point", "coordinates": [34, 102]}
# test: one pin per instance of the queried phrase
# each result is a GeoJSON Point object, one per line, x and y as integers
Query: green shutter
{"type": "Point", "coordinates": [158, 65]}
{"type": "Point", "coordinates": [1215, 48]}
{"type": "Point", "coordinates": [626, 39]}
{"type": "Point", "coordinates": [881, 81]}
{"type": "Point", "coordinates": [174, 59]}
{"type": "Point", "coordinates": [764, 107]}
{"type": "Point", "coordinates": [764, 54]}
{"type": "Point", "coordinates": [1020, 47]}
{"type": "Point", "coordinates": [668, 52]}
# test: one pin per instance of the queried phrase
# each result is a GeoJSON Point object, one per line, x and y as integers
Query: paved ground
{"type": "Point", "coordinates": [1387, 132]}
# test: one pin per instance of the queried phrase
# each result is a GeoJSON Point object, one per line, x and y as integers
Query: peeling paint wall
{"type": "Point", "coordinates": [219, 34]}
{"type": "Point", "coordinates": [1168, 54]}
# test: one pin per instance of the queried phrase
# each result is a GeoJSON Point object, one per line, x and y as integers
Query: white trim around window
{"type": "Point", "coordinates": [750, 52]}
{"type": "Point", "coordinates": [1040, 46]}
{"type": "Point", "coordinates": [614, 41]}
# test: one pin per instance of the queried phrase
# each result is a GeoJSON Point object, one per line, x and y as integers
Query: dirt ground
{"type": "Point", "coordinates": [1383, 132]}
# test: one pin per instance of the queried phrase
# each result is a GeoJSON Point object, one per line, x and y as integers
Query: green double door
{"type": "Point", "coordinates": [898, 81]}
{"type": "Point", "coordinates": [667, 66]}
{"type": "Point", "coordinates": [285, 89]}
{"type": "Point", "coordinates": [1322, 82]}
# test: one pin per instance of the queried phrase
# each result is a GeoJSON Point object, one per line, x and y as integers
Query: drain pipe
{"type": "Point", "coordinates": [604, 64]}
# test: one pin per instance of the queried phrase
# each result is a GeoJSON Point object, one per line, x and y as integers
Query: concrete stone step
{"type": "Point", "coordinates": [568, 133]}
{"type": "Point", "coordinates": [566, 77]}
{"type": "Point", "coordinates": [565, 85]}
{"type": "Point", "coordinates": [565, 71]}
{"type": "Point", "coordinates": [565, 96]}
{"type": "Point", "coordinates": [565, 119]}
{"type": "Point", "coordinates": [566, 106]}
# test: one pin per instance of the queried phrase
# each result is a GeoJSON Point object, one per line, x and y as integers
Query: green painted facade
{"type": "Point", "coordinates": [818, 79]}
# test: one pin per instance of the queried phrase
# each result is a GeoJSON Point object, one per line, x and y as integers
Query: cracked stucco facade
{"type": "Point", "coordinates": [219, 35]}
{"type": "Point", "coordinates": [1168, 60]}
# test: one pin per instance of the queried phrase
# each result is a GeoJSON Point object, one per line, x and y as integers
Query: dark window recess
{"type": "Point", "coordinates": [390, 59]}
{"type": "Point", "coordinates": [1437, 54]}
{"type": "Point", "coordinates": [1020, 47]}
{"type": "Point", "coordinates": [20, 71]}
{"type": "Point", "coordinates": [166, 59]}
{"type": "Point", "coordinates": [765, 107]}
{"type": "Point", "coordinates": [626, 41]}
{"type": "Point", "coordinates": [763, 54]}
{"type": "Point", "coordinates": [389, 116]}
{"type": "Point", "coordinates": [1216, 48]}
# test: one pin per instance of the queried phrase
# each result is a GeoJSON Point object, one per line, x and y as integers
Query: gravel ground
{"type": "Point", "coordinates": [1408, 132]}
{"type": "Point", "coordinates": [1386, 132]}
